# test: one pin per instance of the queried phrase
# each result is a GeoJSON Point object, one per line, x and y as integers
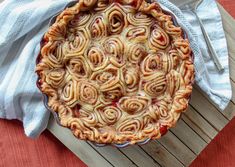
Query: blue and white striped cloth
{"type": "Point", "coordinates": [23, 23]}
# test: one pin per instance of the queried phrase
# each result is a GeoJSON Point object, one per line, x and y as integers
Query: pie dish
{"type": "Point", "coordinates": [116, 71]}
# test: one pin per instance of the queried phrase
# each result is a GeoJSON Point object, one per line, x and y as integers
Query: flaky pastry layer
{"type": "Point", "coordinates": [116, 71]}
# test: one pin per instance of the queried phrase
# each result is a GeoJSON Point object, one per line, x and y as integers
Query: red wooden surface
{"type": "Point", "coordinates": [229, 5]}
{"type": "Point", "coordinates": [221, 151]}
{"type": "Point", "coordinates": [18, 150]}
{"type": "Point", "coordinates": [46, 151]}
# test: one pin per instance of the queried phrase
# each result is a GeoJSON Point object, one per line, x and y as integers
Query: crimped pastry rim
{"type": "Point", "coordinates": [55, 115]}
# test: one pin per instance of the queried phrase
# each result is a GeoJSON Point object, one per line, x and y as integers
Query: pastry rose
{"type": "Point", "coordinates": [139, 19]}
{"type": "Point", "coordinates": [52, 56]}
{"type": "Point", "coordinates": [159, 40]}
{"type": "Point", "coordinates": [155, 84]}
{"type": "Point", "coordinates": [116, 18]}
{"type": "Point", "coordinates": [108, 114]}
{"type": "Point", "coordinates": [131, 78]}
{"type": "Point", "coordinates": [135, 53]}
{"type": "Point", "coordinates": [101, 5]}
{"type": "Point", "coordinates": [56, 77]}
{"type": "Point", "coordinates": [98, 27]}
{"type": "Point", "coordinates": [133, 105]}
{"type": "Point", "coordinates": [80, 20]}
{"type": "Point", "coordinates": [137, 33]}
{"type": "Point", "coordinates": [87, 92]}
{"type": "Point", "coordinates": [96, 58]}
{"type": "Point", "coordinates": [130, 126]}
{"type": "Point", "coordinates": [78, 68]}
{"type": "Point", "coordinates": [114, 48]}
{"type": "Point", "coordinates": [75, 44]}
{"type": "Point", "coordinates": [151, 64]}
{"type": "Point", "coordinates": [70, 93]}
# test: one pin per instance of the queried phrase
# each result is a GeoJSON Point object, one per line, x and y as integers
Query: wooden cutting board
{"type": "Point", "coordinates": [194, 131]}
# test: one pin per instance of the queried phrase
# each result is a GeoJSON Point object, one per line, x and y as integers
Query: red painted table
{"type": "Point", "coordinates": [18, 150]}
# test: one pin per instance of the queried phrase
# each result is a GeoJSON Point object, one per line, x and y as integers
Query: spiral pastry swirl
{"type": "Point", "coordinates": [89, 119]}
{"type": "Point", "coordinates": [112, 92]}
{"type": "Point", "coordinates": [159, 40]}
{"type": "Point", "coordinates": [156, 86]}
{"type": "Point", "coordinates": [87, 92]}
{"type": "Point", "coordinates": [135, 53]}
{"type": "Point", "coordinates": [96, 58]}
{"type": "Point", "coordinates": [79, 21]}
{"type": "Point", "coordinates": [131, 78]}
{"type": "Point", "coordinates": [56, 78]}
{"type": "Point", "coordinates": [114, 47]}
{"type": "Point", "coordinates": [133, 105]}
{"type": "Point", "coordinates": [116, 71]}
{"type": "Point", "coordinates": [109, 76]}
{"type": "Point", "coordinates": [53, 57]}
{"type": "Point", "coordinates": [139, 19]}
{"type": "Point", "coordinates": [130, 126]}
{"type": "Point", "coordinates": [137, 34]}
{"type": "Point", "coordinates": [78, 68]}
{"type": "Point", "coordinates": [116, 18]}
{"type": "Point", "coordinates": [70, 93]}
{"type": "Point", "coordinates": [111, 115]}
{"type": "Point", "coordinates": [108, 114]}
{"type": "Point", "coordinates": [98, 27]}
{"type": "Point", "coordinates": [101, 5]}
{"type": "Point", "coordinates": [151, 64]}
{"type": "Point", "coordinates": [75, 45]}
{"type": "Point", "coordinates": [170, 60]}
{"type": "Point", "coordinates": [166, 116]}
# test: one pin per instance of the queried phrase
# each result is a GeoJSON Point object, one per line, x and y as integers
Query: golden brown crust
{"type": "Point", "coordinates": [116, 70]}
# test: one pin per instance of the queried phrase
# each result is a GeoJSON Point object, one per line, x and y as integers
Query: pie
{"type": "Point", "coordinates": [116, 71]}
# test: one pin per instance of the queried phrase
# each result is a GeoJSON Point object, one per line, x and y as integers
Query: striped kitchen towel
{"type": "Point", "coordinates": [23, 23]}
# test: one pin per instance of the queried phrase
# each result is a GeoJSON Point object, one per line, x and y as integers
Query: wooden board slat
{"type": "Point", "coordinates": [189, 137]}
{"type": "Point", "coordinates": [194, 127]}
{"type": "Point", "coordinates": [113, 155]}
{"type": "Point", "coordinates": [229, 111]}
{"type": "Point", "coordinates": [207, 110]}
{"type": "Point", "coordinates": [233, 90]}
{"type": "Point", "coordinates": [177, 148]}
{"type": "Point", "coordinates": [201, 123]}
{"type": "Point", "coordinates": [139, 156]}
{"type": "Point", "coordinates": [232, 68]}
{"type": "Point", "coordinates": [85, 150]}
{"type": "Point", "coordinates": [161, 155]}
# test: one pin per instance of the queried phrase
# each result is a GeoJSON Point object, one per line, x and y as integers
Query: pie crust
{"type": "Point", "coordinates": [116, 71]}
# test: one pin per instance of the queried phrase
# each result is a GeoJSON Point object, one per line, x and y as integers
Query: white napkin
{"type": "Point", "coordinates": [24, 22]}
{"type": "Point", "coordinates": [214, 83]}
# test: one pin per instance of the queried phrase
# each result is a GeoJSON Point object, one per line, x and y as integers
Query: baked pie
{"type": "Point", "coordinates": [116, 71]}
